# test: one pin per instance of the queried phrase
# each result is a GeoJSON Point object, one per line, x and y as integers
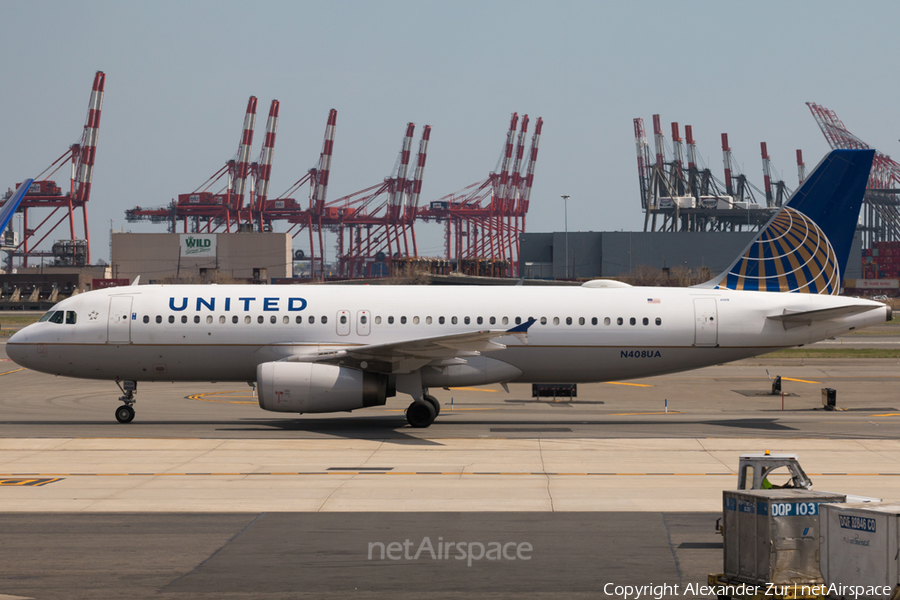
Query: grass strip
{"type": "Point", "coordinates": [835, 353]}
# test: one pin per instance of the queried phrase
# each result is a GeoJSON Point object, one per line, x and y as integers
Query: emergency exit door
{"type": "Point", "coordinates": [706, 322]}
{"type": "Point", "coordinates": [118, 330]}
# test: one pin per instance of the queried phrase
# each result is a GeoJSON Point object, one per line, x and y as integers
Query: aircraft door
{"type": "Point", "coordinates": [706, 322]}
{"type": "Point", "coordinates": [118, 329]}
{"type": "Point", "coordinates": [343, 322]}
{"type": "Point", "coordinates": [363, 322]}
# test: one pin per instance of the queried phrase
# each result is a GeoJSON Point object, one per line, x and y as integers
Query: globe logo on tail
{"type": "Point", "coordinates": [791, 255]}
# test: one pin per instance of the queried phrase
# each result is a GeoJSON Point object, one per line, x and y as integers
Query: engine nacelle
{"type": "Point", "coordinates": [315, 388]}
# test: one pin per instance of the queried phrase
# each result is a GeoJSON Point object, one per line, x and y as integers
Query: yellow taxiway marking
{"type": "Point", "coordinates": [631, 384]}
{"type": "Point", "coordinates": [446, 407]}
{"type": "Point", "coordinates": [203, 397]}
{"type": "Point", "coordinates": [887, 415]}
{"type": "Point", "coordinates": [799, 380]}
{"type": "Point", "coordinates": [13, 371]}
{"type": "Point", "coordinates": [474, 389]}
{"type": "Point", "coordinates": [661, 412]}
{"type": "Point", "coordinates": [32, 479]}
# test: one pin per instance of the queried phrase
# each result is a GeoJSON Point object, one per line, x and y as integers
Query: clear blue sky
{"type": "Point", "coordinates": [179, 75]}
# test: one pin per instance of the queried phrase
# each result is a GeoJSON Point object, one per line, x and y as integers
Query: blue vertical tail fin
{"type": "Point", "coordinates": [804, 248]}
{"type": "Point", "coordinates": [12, 203]}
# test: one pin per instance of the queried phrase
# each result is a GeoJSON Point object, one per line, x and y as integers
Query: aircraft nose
{"type": "Point", "coordinates": [15, 347]}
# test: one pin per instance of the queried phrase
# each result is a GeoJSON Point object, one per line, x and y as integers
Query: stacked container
{"type": "Point", "coordinates": [772, 536]}
{"type": "Point", "coordinates": [860, 548]}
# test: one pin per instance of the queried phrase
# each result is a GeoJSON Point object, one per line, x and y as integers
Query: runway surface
{"type": "Point", "coordinates": [205, 495]}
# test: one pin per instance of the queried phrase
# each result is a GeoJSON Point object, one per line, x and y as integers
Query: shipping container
{"type": "Point", "coordinates": [772, 535]}
{"type": "Point", "coordinates": [860, 546]}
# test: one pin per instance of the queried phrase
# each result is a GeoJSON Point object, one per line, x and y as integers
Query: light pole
{"type": "Point", "coordinates": [565, 198]}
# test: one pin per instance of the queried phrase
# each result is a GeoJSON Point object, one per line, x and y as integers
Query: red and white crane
{"type": "Point", "coordinates": [46, 194]}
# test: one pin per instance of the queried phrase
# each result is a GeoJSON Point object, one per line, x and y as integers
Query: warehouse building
{"type": "Point", "coordinates": [620, 253]}
{"type": "Point", "coordinates": [188, 257]}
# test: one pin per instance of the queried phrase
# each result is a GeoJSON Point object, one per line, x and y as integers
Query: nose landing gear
{"type": "Point", "coordinates": [125, 413]}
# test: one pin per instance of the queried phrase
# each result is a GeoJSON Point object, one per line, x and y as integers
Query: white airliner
{"type": "Point", "coordinates": [318, 348]}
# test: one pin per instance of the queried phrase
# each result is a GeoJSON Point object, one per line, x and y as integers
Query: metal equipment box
{"type": "Point", "coordinates": [772, 535]}
{"type": "Point", "coordinates": [859, 544]}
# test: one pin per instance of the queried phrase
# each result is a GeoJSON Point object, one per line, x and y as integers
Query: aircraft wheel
{"type": "Point", "coordinates": [124, 414]}
{"type": "Point", "coordinates": [420, 414]}
{"type": "Point", "coordinates": [434, 402]}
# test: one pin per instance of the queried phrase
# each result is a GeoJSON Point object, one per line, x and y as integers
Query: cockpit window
{"type": "Point", "coordinates": [71, 317]}
{"type": "Point", "coordinates": [57, 316]}
{"type": "Point", "coordinates": [46, 316]}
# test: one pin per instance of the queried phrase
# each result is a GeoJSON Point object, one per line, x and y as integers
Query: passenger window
{"type": "Point", "coordinates": [378, 320]}
{"type": "Point", "coordinates": [428, 320]}
{"type": "Point", "coordinates": [184, 318]}
{"type": "Point", "coordinates": [568, 320]}
{"type": "Point", "coordinates": [234, 319]}
{"type": "Point", "coordinates": [312, 320]}
{"type": "Point", "coordinates": [619, 321]}
{"type": "Point", "coordinates": [286, 320]}
{"type": "Point", "coordinates": [658, 321]}
{"type": "Point", "coordinates": [415, 320]}
{"type": "Point", "coordinates": [299, 319]}
{"type": "Point", "coordinates": [480, 321]}
{"type": "Point", "coordinates": [208, 319]}
{"type": "Point", "coordinates": [57, 317]}
{"type": "Point", "coordinates": [390, 320]}
{"type": "Point", "coordinates": [454, 320]}
{"type": "Point", "coordinates": [646, 321]}
{"type": "Point", "coordinates": [221, 319]}
{"type": "Point", "coordinates": [146, 319]}
{"type": "Point", "coordinates": [158, 318]}
{"type": "Point", "coordinates": [362, 319]}
{"type": "Point", "coordinates": [343, 319]}
{"type": "Point", "coordinates": [247, 319]}
{"type": "Point", "coordinates": [467, 320]}
{"type": "Point", "coordinates": [171, 318]}
{"type": "Point", "coordinates": [606, 321]}
{"type": "Point", "coordinates": [581, 320]}
{"type": "Point", "coordinates": [518, 320]}
{"type": "Point", "coordinates": [324, 320]}
{"type": "Point", "coordinates": [260, 319]}
{"type": "Point", "coordinates": [196, 318]}
{"type": "Point", "coordinates": [632, 320]}
{"type": "Point", "coordinates": [506, 320]}
{"type": "Point", "coordinates": [71, 317]}
{"type": "Point", "coordinates": [273, 319]}
{"type": "Point", "coordinates": [441, 320]}
{"type": "Point", "coordinates": [543, 320]}
{"type": "Point", "coordinates": [593, 320]}
{"type": "Point", "coordinates": [493, 320]}
{"type": "Point", "coordinates": [556, 320]}
{"type": "Point", "coordinates": [403, 320]}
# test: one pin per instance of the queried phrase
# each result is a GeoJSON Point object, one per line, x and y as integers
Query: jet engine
{"type": "Point", "coordinates": [316, 388]}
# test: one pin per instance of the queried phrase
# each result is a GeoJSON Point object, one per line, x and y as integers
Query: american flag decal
{"type": "Point", "coordinates": [652, 300]}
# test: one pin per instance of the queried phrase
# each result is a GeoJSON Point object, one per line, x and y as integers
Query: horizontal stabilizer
{"type": "Point", "coordinates": [792, 319]}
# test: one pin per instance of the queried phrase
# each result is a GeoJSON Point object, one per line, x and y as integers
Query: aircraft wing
{"type": "Point", "coordinates": [406, 355]}
{"type": "Point", "coordinates": [791, 319]}
{"type": "Point", "coordinates": [9, 208]}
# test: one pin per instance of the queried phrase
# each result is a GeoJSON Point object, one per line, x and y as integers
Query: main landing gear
{"type": "Point", "coordinates": [421, 413]}
{"type": "Point", "coordinates": [125, 413]}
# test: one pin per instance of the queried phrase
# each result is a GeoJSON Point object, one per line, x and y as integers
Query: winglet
{"type": "Point", "coordinates": [6, 213]}
{"type": "Point", "coordinates": [523, 328]}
